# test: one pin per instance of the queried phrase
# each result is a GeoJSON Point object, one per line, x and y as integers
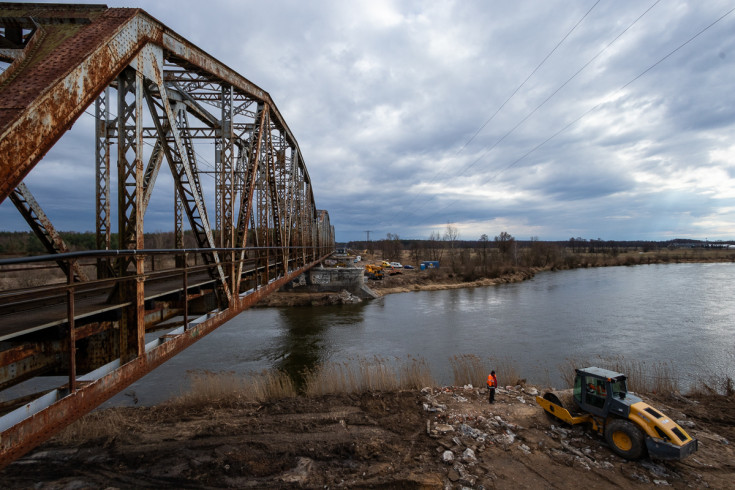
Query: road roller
{"type": "Point", "coordinates": [632, 428]}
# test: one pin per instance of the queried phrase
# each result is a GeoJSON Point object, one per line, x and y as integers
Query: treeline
{"type": "Point", "coordinates": [26, 242]}
{"type": "Point", "coordinates": [504, 254]}
{"type": "Point", "coordinates": [575, 245]}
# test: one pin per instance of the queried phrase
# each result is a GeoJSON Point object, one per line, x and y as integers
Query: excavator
{"type": "Point", "coordinates": [630, 426]}
{"type": "Point", "coordinates": [374, 272]}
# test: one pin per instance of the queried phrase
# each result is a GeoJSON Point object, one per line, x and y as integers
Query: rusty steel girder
{"type": "Point", "coordinates": [265, 229]}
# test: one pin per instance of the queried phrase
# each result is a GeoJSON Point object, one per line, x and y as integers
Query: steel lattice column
{"type": "Point", "coordinates": [227, 182]}
{"type": "Point", "coordinates": [130, 207]}
{"type": "Point", "coordinates": [102, 180]}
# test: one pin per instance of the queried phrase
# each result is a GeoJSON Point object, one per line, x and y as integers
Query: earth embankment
{"type": "Point", "coordinates": [434, 438]}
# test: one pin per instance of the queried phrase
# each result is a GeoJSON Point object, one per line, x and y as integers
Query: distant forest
{"type": "Point", "coordinates": [26, 243]}
{"type": "Point", "coordinates": [575, 245]}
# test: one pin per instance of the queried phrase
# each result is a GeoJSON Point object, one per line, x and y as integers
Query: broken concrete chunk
{"type": "Point", "coordinates": [469, 456]}
{"type": "Point", "coordinates": [447, 456]}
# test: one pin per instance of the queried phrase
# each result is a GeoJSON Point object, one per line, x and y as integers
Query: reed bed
{"type": "Point", "coordinates": [471, 369]}
{"type": "Point", "coordinates": [365, 374]}
{"type": "Point", "coordinates": [643, 376]}
{"type": "Point", "coordinates": [231, 389]}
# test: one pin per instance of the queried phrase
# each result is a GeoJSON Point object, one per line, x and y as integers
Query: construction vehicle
{"type": "Point", "coordinates": [630, 426]}
{"type": "Point", "coordinates": [374, 272]}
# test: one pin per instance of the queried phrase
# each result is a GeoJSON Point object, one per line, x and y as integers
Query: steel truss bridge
{"type": "Point", "coordinates": [157, 101]}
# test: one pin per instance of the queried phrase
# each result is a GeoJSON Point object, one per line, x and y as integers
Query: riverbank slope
{"type": "Point", "coordinates": [434, 438]}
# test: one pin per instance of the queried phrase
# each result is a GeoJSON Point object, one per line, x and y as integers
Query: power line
{"type": "Point", "coordinates": [558, 89]}
{"type": "Point", "coordinates": [528, 77]}
{"type": "Point", "coordinates": [597, 106]}
{"type": "Point", "coordinates": [443, 168]}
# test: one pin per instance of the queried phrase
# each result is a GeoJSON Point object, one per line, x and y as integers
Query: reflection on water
{"type": "Point", "coordinates": [680, 313]}
{"type": "Point", "coordinates": [303, 344]}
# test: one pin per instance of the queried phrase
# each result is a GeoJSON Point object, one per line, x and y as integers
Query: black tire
{"type": "Point", "coordinates": [625, 439]}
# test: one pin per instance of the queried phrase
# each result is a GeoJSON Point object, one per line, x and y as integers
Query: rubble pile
{"type": "Point", "coordinates": [470, 434]}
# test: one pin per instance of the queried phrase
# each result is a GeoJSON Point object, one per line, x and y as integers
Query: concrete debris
{"type": "Point", "coordinates": [468, 431]}
{"type": "Point", "coordinates": [469, 456]}
{"type": "Point", "coordinates": [300, 473]}
{"type": "Point", "coordinates": [656, 469]}
{"type": "Point", "coordinates": [465, 477]}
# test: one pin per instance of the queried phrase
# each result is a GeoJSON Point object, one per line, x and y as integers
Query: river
{"type": "Point", "coordinates": [679, 313]}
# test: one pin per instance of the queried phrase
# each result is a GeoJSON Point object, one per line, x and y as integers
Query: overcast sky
{"type": "Point", "coordinates": [552, 119]}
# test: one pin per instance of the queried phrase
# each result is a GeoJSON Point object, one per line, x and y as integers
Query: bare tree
{"type": "Point", "coordinates": [505, 243]}
{"type": "Point", "coordinates": [483, 252]}
{"type": "Point", "coordinates": [392, 247]}
{"type": "Point", "coordinates": [451, 234]}
{"type": "Point", "coordinates": [435, 246]}
{"type": "Point", "coordinates": [415, 253]}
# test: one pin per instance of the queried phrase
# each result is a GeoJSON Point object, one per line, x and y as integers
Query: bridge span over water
{"type": "Point", "coordinates": [104, 318]}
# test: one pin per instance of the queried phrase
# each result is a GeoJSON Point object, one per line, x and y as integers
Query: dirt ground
{"type": "Point", "coordinates": [434, 438]}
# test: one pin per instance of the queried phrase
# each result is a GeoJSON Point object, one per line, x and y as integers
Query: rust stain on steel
{"type": "Point", "coordinates": [24, 436]}
{"type": "Point", "coordinates": [16, 354]}
{"type": "Point", "coordinates": [71, 66]}
{"type": "Point", "coordinates": [64, 76]}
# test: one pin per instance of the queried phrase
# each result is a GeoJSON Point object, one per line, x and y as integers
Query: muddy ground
{"type": "Point", "coordinates": [435, 438]}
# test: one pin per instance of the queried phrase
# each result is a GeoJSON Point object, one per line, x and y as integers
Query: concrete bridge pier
{"type": "Point", "coordinates": [332, 280]}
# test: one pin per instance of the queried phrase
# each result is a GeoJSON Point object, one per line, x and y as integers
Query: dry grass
{"type": "Point", "coordinates": [362, 374]}
{"type": "Point", "coordinates": [643, 377]}
{"type": "Point", "coordinates": [104, 424]}
{"type": "Point", "coordinates": [471, 369]}
{"type": "Point", "coordinates": [227, 389]}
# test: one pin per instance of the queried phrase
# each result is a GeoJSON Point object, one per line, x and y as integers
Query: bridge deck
{"type": "Point", "coordinates": [38, 317]}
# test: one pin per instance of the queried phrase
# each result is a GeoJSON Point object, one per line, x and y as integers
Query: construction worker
{"type": "Point", "coordinates": [492, 383]}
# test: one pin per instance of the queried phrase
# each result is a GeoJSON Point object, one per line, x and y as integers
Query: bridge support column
{"type": "Point", "coordinates": [130, 209]}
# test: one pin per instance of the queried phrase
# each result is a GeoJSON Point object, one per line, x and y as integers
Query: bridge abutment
{"type": "Point", "coordinates": [332, 280]}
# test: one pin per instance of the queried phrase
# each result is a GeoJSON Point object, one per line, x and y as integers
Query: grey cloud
{"type": "Point", "coordinates": [382, 108]}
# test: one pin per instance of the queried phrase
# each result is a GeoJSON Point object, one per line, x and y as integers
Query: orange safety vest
{"type": "Point", "coordinates": [492, 381]}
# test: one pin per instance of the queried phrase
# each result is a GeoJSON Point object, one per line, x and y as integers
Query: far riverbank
{"type": "Point", "coordinates": [456, 276]}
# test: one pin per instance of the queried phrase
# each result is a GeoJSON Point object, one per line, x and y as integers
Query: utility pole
{"type": "Point", "coordinates": [367, 244]}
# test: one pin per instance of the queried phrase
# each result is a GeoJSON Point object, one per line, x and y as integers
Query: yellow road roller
{"type": "Point", "coordinates": [630, 426]}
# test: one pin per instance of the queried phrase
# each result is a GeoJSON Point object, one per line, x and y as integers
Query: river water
{"type": "Point", "coordinates": [679, 313]}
